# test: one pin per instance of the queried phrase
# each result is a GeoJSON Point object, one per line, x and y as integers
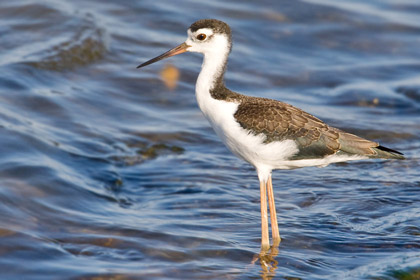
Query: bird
{"type": "Point", "coordinates": [266, 133]}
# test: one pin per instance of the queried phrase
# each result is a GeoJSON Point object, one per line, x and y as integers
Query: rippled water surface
{"type": "Point", "coordinates": [106, 172]}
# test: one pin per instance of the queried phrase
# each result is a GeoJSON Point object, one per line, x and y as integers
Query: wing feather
{"type": "Point", "coordinates": [280, 121]}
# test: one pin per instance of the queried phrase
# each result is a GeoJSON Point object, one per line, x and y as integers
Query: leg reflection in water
{"type": "Point", "coordinates": [268, 262]}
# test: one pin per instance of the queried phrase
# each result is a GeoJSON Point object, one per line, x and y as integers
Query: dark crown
{"type": "Point", "coordinates": [216, 25]}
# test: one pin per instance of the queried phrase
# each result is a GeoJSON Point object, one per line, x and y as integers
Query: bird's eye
{"type": "Point", "coordinates": [201, 36]}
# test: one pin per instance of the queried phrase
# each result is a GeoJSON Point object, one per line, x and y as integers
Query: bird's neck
{"type": "Point", "coordinates": [211, 78]}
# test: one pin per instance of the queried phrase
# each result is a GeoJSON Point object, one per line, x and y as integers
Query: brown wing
{"type": "Point", "coordinates": [315, 139]}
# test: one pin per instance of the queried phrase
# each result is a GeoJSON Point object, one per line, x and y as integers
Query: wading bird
{"type": "Point", "coordinates": [267, 133]}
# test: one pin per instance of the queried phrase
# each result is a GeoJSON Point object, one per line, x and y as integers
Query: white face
{"type": "Point", "coordinates": [205, 41]}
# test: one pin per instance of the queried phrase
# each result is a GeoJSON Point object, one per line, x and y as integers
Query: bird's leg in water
{"type": "Point", "coordinates": [273, 215]}
{"type": "Point", "coordinates": [265, 242]}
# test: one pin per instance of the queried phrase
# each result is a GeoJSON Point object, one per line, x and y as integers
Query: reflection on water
{"type": "Point", "coordinates": [108, 172]}
{"type": "Point", "coordinates": [268, 262]}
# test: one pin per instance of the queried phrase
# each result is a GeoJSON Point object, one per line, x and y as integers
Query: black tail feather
{"type": "Point", "coordinates": [385, 149]}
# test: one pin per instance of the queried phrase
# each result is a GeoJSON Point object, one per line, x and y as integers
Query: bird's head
{"type": "Point", "coordinates": [206, 36]}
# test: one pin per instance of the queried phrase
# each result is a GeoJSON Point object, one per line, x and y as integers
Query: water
{"type": "Point", "coordinates": [105, 173]}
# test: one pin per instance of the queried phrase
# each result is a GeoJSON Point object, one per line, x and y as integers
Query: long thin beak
{"type": "Point", "coordinates": [177, 50]}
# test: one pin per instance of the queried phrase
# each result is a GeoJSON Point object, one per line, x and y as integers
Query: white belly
{"type": "Point", "coordinates": [246, 145]}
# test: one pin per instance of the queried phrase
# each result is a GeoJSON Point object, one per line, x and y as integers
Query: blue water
{"type": "Point", "coordinates": [105, 173]}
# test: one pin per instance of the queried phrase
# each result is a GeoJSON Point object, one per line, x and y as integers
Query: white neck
{"type": "Point", "coordinates": [211, 70]}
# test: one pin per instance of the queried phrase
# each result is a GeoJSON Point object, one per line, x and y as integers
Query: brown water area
{"type": "Point", "coordinates": [112, 172]}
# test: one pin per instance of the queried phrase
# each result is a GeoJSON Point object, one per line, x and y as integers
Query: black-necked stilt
{"type": "Point", "coordinates": [267, 133]}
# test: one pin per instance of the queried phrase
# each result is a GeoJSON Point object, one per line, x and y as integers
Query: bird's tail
{"type": "Point", "coordinates": [353, 144]}
{"type": "Point", "coordinates": [384, 152]}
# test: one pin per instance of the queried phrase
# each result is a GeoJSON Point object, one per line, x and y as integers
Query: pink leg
{"type": "Point", "coordinates": [273, 215]}
{"type": "Point", "coordinates": [265, 243]}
